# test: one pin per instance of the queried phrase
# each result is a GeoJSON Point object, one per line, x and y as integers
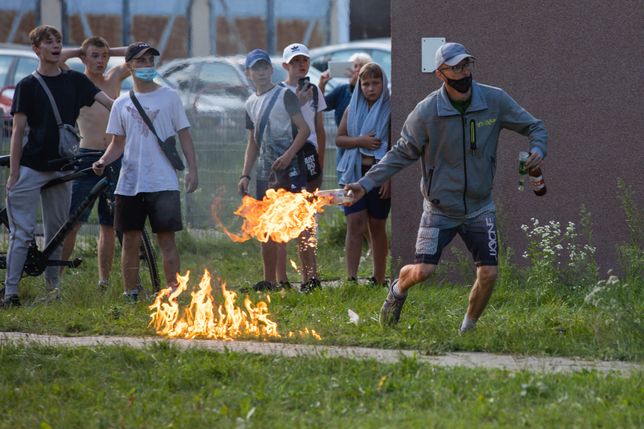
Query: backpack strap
{"type": "Point", "coordinates": [54, 107]}
{"type": "Point", "coordinates": [264, 121]}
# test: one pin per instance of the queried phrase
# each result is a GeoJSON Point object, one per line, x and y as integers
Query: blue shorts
{"type": "Point", "coordinates": [83, 185]}
{"type": "Point", "coordinates": [376, 207]}
{"type": "Point", "coordinates": [478, 232]}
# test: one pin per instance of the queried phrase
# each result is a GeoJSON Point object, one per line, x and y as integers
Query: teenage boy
{"type": "Point", "coordinates": [92, 122]}
{"type": "Point", "coordinates": [271, 113]}
{"type": "Point", "coordinates": [30, 168]}
{"type": "Point", "coordinates": [148, 184]}
{"type": "Point", "coordinates": [457, 175]}
{"type": "Point", "coordinates": [296, 62]}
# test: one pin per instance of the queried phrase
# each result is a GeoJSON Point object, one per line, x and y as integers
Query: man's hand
{"type": "Point", "coordinates": [370, 141]}
{"type": "Point", "coordinates": [98, 167]}
{"type": "Point", "coordinates": [13, 178]}
{"type": "Point", "coordinates": [243, 185]}
{"type": "Point", "coordinates": [282, 162]}
{"type": "Point", "coordinates": [358, 191]}
{"type": "Point", "coordinates": [191, 181]}
{"type": "Point", "coordinates": [385, 190]}
{"type": "Point", "coordinates": [535, 160]}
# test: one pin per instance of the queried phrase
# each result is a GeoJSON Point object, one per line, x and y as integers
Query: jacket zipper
{"type": "Point", "coordinates": [463, 122]}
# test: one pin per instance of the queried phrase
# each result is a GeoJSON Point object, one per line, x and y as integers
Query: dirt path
{"type": "Point", "coordinates": [463, 359]}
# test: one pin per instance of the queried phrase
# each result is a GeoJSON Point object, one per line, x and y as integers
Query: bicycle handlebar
{"type": "Point", "coordinates": [71, 161]}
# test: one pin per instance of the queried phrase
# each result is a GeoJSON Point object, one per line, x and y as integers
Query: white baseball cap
{"type": "Point", "coordinates": [293, 50]}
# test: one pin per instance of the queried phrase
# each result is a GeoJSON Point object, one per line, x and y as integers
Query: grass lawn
{"type": "Point", "coordinates": [533, 311]}
{"type": "Point", "coordinates": [158, 387]}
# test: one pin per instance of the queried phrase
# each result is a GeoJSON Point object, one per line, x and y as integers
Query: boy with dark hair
{"type": "Point", "coordinates": [95, 53]}
{"type": "Point", "coordinates": [148, 184]}
{"type": "Point", "coordinates": [270, 113]}
{"type": "Point", "coordinates": [30, 168]}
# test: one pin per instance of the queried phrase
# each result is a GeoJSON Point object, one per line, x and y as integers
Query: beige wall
{"type": "Point", "coordinates": [577, 66]}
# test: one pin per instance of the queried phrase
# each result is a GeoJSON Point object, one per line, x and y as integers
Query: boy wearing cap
{"type": "Point", "coordinates": [30, 168]}
{"type": "Point", "coordinates": [295, 60]}
{"type": "Point", "coordinates": [147, 185]}
{"type": "Point", "coordinates": [454, 132]}
{"type": "Point", "coordinates": [271, 113]}
{"type": "Point", "coordinates": [95, 54]}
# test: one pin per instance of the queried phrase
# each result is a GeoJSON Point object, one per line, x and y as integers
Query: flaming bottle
{"type": "Point", "coordinates": [338, 197]}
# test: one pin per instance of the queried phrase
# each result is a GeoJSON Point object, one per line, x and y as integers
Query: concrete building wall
{"type": "Point", "coordinates": [574, 65]}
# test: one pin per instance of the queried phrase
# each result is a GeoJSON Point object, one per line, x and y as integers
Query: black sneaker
{"type": "Point", "coordinates": [131, 296]}
{"type": "Point", "coordinates": [309, 285]}
{"type": "Point", "coordinates": [391, 308]}
{"type": "Point", "coordinates": [10, 301]}
{"type": "Point", "coordinates": [284, 285]}
{"type": "Point", "coordinates": [374, 283]}
{"type": "Point", "coordinates": [263, 286]}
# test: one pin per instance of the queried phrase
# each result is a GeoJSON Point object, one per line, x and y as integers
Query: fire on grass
{"type": "Point", "coordinates": [204, 318]}
{"type": "Point", "coordinates": [280, 216]}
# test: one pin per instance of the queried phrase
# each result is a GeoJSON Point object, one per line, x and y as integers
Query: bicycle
{"type": "Point", "coordinates": [37, 260]}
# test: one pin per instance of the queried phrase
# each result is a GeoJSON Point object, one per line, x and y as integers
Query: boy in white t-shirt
{"type": "Point", "coordinates": [148, 184]}
{"type": "Point", "coordinates": [271, 113]}
{"type": "Point", "coordinates": [296, 62]}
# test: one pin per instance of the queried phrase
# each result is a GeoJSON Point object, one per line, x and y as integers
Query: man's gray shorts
{"type": "Point", "coordinates": [478, 232]}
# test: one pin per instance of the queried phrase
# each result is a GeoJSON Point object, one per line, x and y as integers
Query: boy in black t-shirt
{"type": "Point", "coordinates": [29, 169]}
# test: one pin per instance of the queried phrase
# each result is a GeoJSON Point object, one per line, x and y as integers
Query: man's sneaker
{"type": "Point", "coordinates": [309, 285]}
{"type": "Point", "coordinates": [131, 296]}
{"type": "Point", "coordinates": [263, 286]}
{"type": "Point", "coordinates": [391, 308]}
{"type": "Point", "coordinates": [283, 285]}
{"type": "Point", "coordinates": [374, 283]}
{"type": "Point", "coordinates": [10, 301]}
{"type": "Point", "coordinates": [103, 285]}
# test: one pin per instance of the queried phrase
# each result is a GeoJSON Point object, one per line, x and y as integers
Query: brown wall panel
{"type": "Point", "coordinates": [573, 64]}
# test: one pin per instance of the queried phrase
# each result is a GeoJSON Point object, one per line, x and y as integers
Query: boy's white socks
{"type": "Point", "coordinates": [467, 325]}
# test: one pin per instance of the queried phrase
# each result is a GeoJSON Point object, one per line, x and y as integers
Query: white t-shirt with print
{"type": "Point", "coordinates": [145, 168]}
{"type": "Point", "coordinates": [308, 112]}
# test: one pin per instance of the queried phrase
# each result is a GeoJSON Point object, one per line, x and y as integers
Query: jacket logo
{"type": "Point", "coordinates": [486, 123]}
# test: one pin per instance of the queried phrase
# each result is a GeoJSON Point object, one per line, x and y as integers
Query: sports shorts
{"type": "Point", "coordinates": [162, 208]}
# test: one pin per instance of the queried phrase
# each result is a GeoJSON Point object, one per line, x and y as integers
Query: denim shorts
{"type": "Point", "coordinates": [83, 185]}
{"type": "Point", "coordinates": [163, 208]}
{"type": "Point", "coordinates": [478, 233]}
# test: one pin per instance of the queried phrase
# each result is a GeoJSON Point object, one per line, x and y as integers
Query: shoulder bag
{"type": "Point", "coordinates": [69, 138]}
{"type": "Point", "coordinates": [169, 146]}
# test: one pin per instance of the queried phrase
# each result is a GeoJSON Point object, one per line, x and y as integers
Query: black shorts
{"type": "Point", "coordinates": [163, 208]}
{"type": "Point", "coordinates": [478, 233]}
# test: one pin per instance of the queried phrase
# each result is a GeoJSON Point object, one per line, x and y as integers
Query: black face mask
{"type": "Point", "coordinates": [461, 85]}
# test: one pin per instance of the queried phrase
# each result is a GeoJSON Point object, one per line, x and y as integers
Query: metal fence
{"type": "Point", "coordinates": [220, 151]}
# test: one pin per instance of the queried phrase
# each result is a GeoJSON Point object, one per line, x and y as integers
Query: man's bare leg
{"type": "Point", "coordinates": [170, 256]}
{"type": "Point", "coordinates": [70, 243]}
{"type": "Point", "coordinates": [130, 260]}
{"type": "Point", "coordinates": [106, 242]}
{"type": "Point", "coordinates": [480, 295]}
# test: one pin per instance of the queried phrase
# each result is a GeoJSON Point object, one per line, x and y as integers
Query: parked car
{"type": "Point", "coordinates": [213, 91]}
{"type": "Point", "coordinates": [16, 62]}
{"type": "Point", "coordinates": [379, 49]}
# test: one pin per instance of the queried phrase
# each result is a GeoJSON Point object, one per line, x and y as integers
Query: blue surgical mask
{"type": "Point", "coordinates": [146, 73]}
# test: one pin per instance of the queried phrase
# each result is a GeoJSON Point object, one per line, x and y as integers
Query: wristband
{"type": "Point", "coordinates": [244, 176]}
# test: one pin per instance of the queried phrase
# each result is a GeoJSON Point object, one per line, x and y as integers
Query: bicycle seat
{"type": "Point", "coordinates": [4, 160]}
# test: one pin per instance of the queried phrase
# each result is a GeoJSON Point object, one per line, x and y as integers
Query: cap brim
{"type": "Point", "coordinates": [296, 54]}
{"type": "Point", "coordinates": [255, 61]}
{"type": "Point", "coordinates": [457, 59]}
{"type": "Point", "coordinates": [151, 50]}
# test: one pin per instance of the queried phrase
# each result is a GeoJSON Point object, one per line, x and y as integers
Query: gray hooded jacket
{"type": "Point", "coordinates": [457, 151]}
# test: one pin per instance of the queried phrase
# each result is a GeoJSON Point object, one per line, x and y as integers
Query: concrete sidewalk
{"type": "Point", "coordinates": [458, 359]}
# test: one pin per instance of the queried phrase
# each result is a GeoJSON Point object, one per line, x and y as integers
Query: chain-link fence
{"type": "Point", "coordinates": [220, 151]}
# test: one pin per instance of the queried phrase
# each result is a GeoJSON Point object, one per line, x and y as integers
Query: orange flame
{"type": "Point", "coordinates": [280, 216]}
{"type": "Point", "coordinates": [203, 318]}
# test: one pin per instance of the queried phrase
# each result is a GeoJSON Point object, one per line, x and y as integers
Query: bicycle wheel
{"type": "Point", "coordinates": [148, 272]}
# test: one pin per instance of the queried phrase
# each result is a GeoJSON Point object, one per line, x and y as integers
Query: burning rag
{"type": "Point", "coordinates": [362, 120]}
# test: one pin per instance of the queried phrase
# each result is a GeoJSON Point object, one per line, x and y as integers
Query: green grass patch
{"type": "Point", "coordinates": [161, 386]}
